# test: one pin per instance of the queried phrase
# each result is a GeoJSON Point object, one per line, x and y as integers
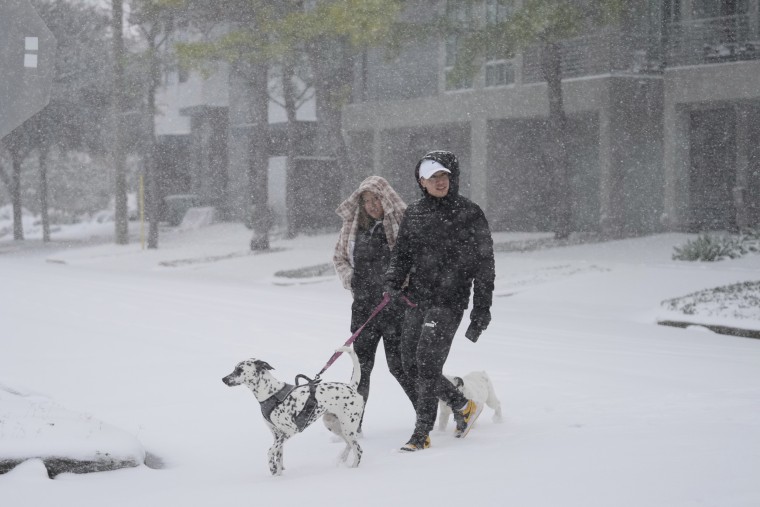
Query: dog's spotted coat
{"type": "Point", "coordinates": [339, 405]}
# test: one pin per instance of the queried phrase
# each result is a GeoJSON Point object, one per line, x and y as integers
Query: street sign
{"type": "Point", "coordinates": [27, 58]}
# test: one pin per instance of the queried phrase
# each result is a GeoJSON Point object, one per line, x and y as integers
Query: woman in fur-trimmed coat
{"type": "Point", "coordinates": [371, 218]}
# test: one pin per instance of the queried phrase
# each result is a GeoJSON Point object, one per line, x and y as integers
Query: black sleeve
{"type": "Point", "coordinates": [401, 259]}
{"type": "Point", "coordinates": [486, 271]}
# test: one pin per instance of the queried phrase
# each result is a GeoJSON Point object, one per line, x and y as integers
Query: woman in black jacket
{"type": "Point", "coordinates": [371, 218]}
{"type": "Point", "coordinates": [444, 248]}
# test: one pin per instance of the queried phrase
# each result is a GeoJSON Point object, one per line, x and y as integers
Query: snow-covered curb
{"type": "Point", "coordinates": [731, 309]}
{"type": "Point", "coordinates": [35, 427]}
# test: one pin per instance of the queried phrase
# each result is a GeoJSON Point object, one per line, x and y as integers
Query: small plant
{"type": "Point", "coordinates": [711, 248]}
{"type": "Point", "coordinates": [704, 248]}
{"type": "Point", "coordinates": [750, 240]}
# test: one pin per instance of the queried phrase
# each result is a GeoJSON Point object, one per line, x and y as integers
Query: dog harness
{"type": "Point", "coordinates": [268, 405]}
{"type": "Point", "coordinates": [302, 418]}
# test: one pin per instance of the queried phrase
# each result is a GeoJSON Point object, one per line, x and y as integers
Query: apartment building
{"type": "Point", "coordinates": [664, 115]}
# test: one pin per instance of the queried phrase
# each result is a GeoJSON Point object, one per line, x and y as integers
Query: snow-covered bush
{"type": "Point", "coordinates": [707, 247]}
{"type": "Point", "coordinates": [735, 301]}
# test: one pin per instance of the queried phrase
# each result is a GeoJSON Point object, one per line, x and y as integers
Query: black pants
{"type": "Point", "coordinates": [386, 326]}
{"type": "Point", "coordinates": [425, 345]}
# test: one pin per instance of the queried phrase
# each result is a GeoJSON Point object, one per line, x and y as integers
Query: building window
{"type": "Point", "coordinates": [671, 11]}
{"type": "Point", "coordinates": [498, 10]}
{"type": "Point", "coordinates": [459, 13]}
{"type": "Point", "coordinates": [499, 70]}
{"type": "Point", "coordinates": [716, 9]}
{"type": "Point", "coordinates": [500, 73]}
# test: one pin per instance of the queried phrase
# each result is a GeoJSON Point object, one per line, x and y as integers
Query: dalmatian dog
{"type": "Point", "coordinates": [289, 409]}
{"type": "Point", "coordinates": [475, 386]}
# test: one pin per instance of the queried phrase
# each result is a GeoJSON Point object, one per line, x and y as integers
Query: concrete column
{"type": "Point", "coordinates": [240, 135]}
{"type": "Point", "coordinates": [606, 200]}
{"type": "Point", "coordinates": [754, 19]}
{"type": "Point", "coordinates": [611, 135]}
{"type": "Point", "coordinates": [517, 62]}
{"type": "Point", "coordinates": [676, 167]}
{"type": "Point", "coordinates": [377, 153]}
{"type": "Point", "coordinates": [479, 161]}
{"type": "Point", "coordinates": [742, 166]}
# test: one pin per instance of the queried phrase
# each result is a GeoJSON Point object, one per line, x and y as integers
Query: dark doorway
{"type": "Point", "coordinates": [521, 185]}
{"type": "Point", "coordinates": [313, 194]}
{"type": "Point", "coordinates": [712, 174]}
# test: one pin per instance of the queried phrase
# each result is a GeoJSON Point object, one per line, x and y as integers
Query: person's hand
{"type": "Point", "coordinates": [479, 320]}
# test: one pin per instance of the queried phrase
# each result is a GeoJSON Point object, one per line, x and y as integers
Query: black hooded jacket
{"type": "Point", "coordinates": [444, 245]}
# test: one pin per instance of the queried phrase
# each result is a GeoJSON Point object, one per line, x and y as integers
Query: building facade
{"type": "Point", "coordinates": [663, 113]}
{"type": "Point", "coordinates": [663, 116]}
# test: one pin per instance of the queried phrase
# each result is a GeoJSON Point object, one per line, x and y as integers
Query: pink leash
{"type": "Point", "coordinates": [378, 308]}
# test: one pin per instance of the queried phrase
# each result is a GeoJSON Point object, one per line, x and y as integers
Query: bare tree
{"type": "Point", "coordinates": [18, 147]}
{"type": "Point", "coordinates": [118, 101]}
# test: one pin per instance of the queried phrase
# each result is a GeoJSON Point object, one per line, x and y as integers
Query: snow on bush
{"type": "Point", "coordinates": [736, 301]}
{"type": "Point", "coordinates": [710, 247]}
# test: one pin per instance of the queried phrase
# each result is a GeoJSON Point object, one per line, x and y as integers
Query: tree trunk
{"type": "Point", "coordinates": [332, 66]}
{"type": "Point", "coordinates": [121, 218]}
{"type": "Point", "coordinates": [289, 96]}
{"type": "Point", "coordinates": [18, 226]}
{"type": "Point", "coordinates": [258, 174]}
{"type": "Point", "coordinates": [150, 138]}
{"type": "Point", "coordinates": [43, 159]}
{"type": "Point", "coordinates": [5, 178]}
{"type": "Point", "coordinates": [551, 64]}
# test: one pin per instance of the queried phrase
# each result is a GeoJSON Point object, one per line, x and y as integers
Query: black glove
{"type": "Point", "coordinates": [479, 320]}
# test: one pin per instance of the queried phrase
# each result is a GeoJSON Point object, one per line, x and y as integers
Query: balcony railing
{"type": "Point", "coordinates": [599, 53]}
{"type": "Point", "coordinates": [693, 42]}
{"type": "Point", "coordinates": [711, 40]}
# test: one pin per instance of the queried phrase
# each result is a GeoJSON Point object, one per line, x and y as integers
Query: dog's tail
{"type": "Point", "coordinates": [357, 375]}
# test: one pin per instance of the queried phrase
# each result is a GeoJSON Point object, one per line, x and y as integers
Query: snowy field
{"type": "Point", "coordinates": [120, 351]}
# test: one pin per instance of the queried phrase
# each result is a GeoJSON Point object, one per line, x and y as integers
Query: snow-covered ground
{"type": "Point", "coordinates": [118, 350]}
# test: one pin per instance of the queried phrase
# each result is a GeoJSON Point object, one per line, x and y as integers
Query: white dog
{"type": "Point", "coordinates": [289, 409]}
{"type": "Point", "coordinates": [475, 386]}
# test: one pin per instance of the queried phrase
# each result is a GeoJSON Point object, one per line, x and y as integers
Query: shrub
{"type": "Point", "coordinates": [711, 248]}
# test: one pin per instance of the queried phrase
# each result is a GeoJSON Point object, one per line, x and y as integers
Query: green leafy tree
{"type": "Point", "coordinates": [542, 23]}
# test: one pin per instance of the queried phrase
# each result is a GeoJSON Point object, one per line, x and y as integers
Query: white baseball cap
{"type": "Point", "coordinates": [430, 167]}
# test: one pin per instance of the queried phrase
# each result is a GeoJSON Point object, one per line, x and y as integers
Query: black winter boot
{"type": "Point", "coordinates": [418, 442]}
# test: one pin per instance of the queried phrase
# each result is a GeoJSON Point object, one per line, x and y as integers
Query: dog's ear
{"type": "Point", "coordinates": [262, 365]}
